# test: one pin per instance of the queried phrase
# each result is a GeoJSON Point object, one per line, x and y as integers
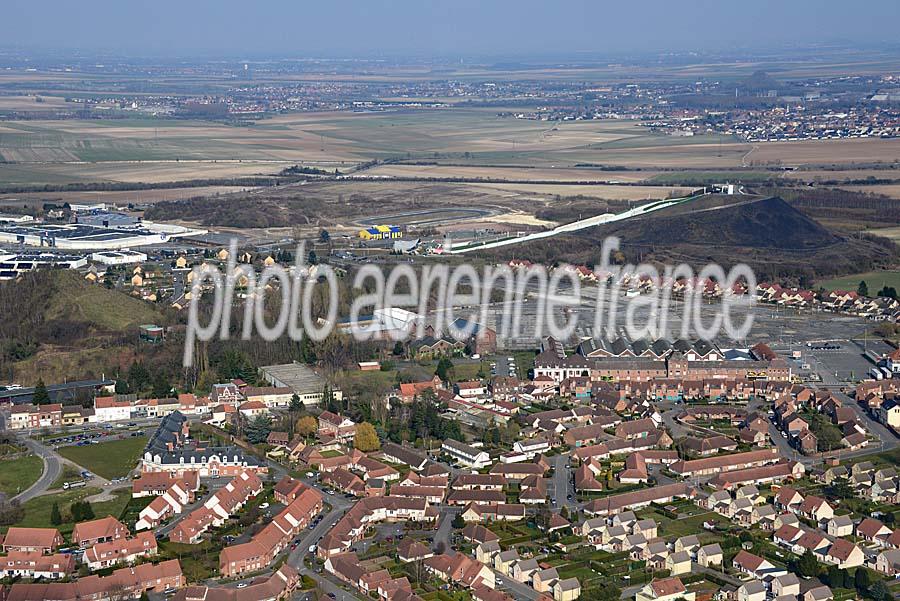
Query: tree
{"type": "Point", "coordinates": [840, 489]}
{"type": "Point", "coordinates": [293, 408]}
{"type": "Point", "coordinates": [366, 439]}
{"type": "Point", "coordinates": [443, 368]}
{"type": "Point", "coordinates": [312, 258]}
{"type": "Point", "coordinates": [162, 388]}
{"type": "Point", "coordinates": [888, 291]}
{"type": "Point", "coordinates": [328, 399]}
{"type": "Point", "coordinates": [861, 580]}
{"type": "Point", "coordinates": [398, 348]}
{"type": "Point", "coordinates": [458, 521]}
{"type": "Point", "coordinates": [863, 289]}
{"type": "Point", "coordinates": [138, 376]}
{"type": "Point", "coordinates": [40, 396]}
{"type": "Point", "coordinates": [307, 426]}
{"type": "Point", "coordinates": [55, 515]}
{"type": "Point", "coordinates": [81, 511]}
{"type": "Point", "coordinates": [324, 236]}
{"type": "Point", "coordinates": [828, 437]}
{"type": "Point", "coordinates": [879, 591]}
{"type": "Point", "coordinates": [607, 592]}
{"type": "Point", "coordinates": [837, 578]}
{"type": "Point", "coordinates": [807, 565]}
{"type": "Point", "coordinates": [258, 429]}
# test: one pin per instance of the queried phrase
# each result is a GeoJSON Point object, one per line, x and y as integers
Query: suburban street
{"type": "Point", "coordinates": [52, 470]}
{"type": "Point", "coordinates": [561, 485]}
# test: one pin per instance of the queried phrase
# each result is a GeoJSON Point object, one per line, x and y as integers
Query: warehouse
{"type": "Point", "coordinates": [12, 265]}
{"type": "Point", "coordinates": [306, 384]}
{"type": "Point", "coordinates": [74, 236]}
{"type": "Point", "coordinates": [118, 257]}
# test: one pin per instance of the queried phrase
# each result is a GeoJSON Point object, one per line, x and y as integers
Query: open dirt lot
{"type": "Point", "coordinates": [891, 233]}
{"type": "Point", "coordinates": [824, 152]}
{"type": "Point", "coordinates": [814, 175]}
{"type": "Point", "coordinates": [892, 190]}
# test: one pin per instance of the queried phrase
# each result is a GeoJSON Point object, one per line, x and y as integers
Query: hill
{"type": "Point", "coordinates": [55, 325]}
{"type": "Point", "coordinates": [775, 239]}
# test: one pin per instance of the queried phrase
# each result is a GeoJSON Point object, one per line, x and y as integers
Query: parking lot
{"type": "Point", "coordinates": [844, 364]}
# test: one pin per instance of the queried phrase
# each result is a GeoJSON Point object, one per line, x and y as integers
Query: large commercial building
{"type": "Point", "coordinates": [14, 264]}
{"type": "Point", "coordinates": [641, 361]}
{"type": "Point", "coordinates": [77, 236]}
{"type": "Point", "coordinates": [301, 379]}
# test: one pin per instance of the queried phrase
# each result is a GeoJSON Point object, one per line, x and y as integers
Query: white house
{"type": "Point", "coordinates": [466, 454]}
{"type": "Point", "coordinates": [108, 409]}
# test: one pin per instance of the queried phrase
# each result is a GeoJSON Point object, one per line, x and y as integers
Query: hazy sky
{"type": "Point", "coordinates": [461, 27]}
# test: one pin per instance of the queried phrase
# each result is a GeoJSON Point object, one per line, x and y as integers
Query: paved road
{"type": "Point", "coordinates": [561, 485]}
{"type": "Point", "coordinates": [445, 528]}
{"type": "Point", "coordinates": [515, 588]}
{"type": "Point", "coordinates": [52, 470]}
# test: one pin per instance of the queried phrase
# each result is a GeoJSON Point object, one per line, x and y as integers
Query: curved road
{"type": "Point", "coordinates": [52, 470]}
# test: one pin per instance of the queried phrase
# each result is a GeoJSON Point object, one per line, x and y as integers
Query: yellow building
{"type": "Point", "coordinates": [381, 232]}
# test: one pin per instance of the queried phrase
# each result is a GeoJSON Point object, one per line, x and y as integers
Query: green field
{"type": "Point", "coordinates": [37, 510]}
{"type": "Point", "coordinates": [112, 459]}
{"type": "Point", "coordinates": [108, 309]}
{"type": "Point", "coordinates": [67, 474]}
{"type": "Point", "coordinates": [875, 280]}
{"type": "Point", "coordinates": [16, 475]}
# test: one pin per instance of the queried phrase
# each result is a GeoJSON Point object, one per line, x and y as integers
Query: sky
{"type": "Point", "coordinates": [371, 28]}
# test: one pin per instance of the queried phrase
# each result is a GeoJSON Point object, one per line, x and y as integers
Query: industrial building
{"type": "Point", "coordinates": [381, 232]}
{"type": "Point", "coordinates": [118, 257]}
{"type": "Point", "coordinates": [306, 384]}
{"type": "Point", "coordinates": [77, 236]}
{"type": "Point", "coordinates": [12, 265]}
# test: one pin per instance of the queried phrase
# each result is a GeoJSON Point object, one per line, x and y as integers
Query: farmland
{"type": "Point", "coordinates": [456, 143]}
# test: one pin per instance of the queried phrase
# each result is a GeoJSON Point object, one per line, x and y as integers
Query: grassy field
{"type": "Point", "coordinates": [37, 510]}
{"type": "Point", "coordinates": [875, 280]}
{"type": "Point", "coordinates": [17, 475]}
{"type": "Point", "coordinates": [67, 474]}
{"type": "Point", "coordinates": [104, 308]}
{"type": "Point", "coordinates": [112, 459]}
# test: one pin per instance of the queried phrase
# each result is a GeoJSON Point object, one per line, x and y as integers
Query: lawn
{"type": "Point", "coordinates": [37, 510]}
{"type": "Point", "coordinates": [685, 526]}
{"type": "Point", "coordinates": [17, 475]}
{"type": "Point", "coordinates": [112, 459]}
{"type": "Point", "coordinates": [67, 474]}
{"type": "Point", "coordinates": [198, 562]}
{"type": "Point", "coordinates": [114, 507]}
{"type": "Point", "coordinates": [874, 280]}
